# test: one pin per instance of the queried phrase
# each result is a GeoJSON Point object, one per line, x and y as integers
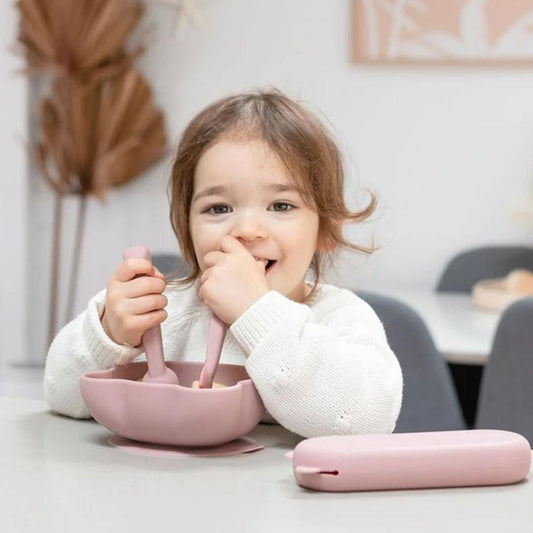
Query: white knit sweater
{"type": "Point", "coordinates": [320, 369]}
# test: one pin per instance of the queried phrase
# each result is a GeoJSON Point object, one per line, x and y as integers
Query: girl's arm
{"type": "Point", "coordinates": [80, 347]}
{"type": "Point", "coordinates": [322, 370]}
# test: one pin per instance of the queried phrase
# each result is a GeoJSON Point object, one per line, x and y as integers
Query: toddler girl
{"type": "Point", "coordinates": [256, 202]}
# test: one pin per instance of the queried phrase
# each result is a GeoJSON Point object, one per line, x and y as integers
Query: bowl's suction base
{"type": "Point", "coordinates": [241, 445]}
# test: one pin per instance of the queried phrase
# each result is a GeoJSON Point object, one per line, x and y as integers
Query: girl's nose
{"type": "Point", "coordinates": [249, 227]}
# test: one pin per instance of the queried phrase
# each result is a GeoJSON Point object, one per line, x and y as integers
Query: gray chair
{"type": "Point", "coordinates": [506, 396]}
{"type": "Point", "coordinates": [429, 399]}
{"type": "Point", "coordinates": [171, 265]}
{"type": "Point", "coordinates": [460, 275]}
{"type": "Point", "coordinates": [468, 267]}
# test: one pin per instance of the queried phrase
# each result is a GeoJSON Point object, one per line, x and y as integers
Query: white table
{"type": "Point", "coordinates": [462, 332]}
{"type": "Point", "coordinates": [60, 475]}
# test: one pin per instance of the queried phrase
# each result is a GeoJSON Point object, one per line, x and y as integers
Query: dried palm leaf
{"type": "Point", "coordinates": [99, 126]}
{"type": "Point", "coordinates": [132, 131]}
{"type": "Point", "coordinates": [100, 136]}
{"type": "Point", "coordinates": [76, 37]}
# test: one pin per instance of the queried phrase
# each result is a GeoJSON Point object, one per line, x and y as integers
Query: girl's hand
{"type": "Point", "coordinates": [134, 301]}
{"type": "Point", "coordinates": [232, 281]}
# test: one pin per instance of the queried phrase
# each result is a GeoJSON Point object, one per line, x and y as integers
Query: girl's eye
{"type": "Point", "coordinates": [280, 207]}
{"type": "Point", "coordinates": [218, 209]}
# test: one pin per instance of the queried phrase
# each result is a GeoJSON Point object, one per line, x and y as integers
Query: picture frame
{"type": "Point", "coordinates": [483, 32]}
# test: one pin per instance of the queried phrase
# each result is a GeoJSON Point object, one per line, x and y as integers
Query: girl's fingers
{"type": "Point", "coordinates": [212, 258]}
{"type": "Point", "coordinates": [144, 304]}
{"type": "Point", "coordinates": [140, 323]}
{"type": "Point", "coordinates": [205, 274]}
{"type": "Point", "coordinates": [228, 246]}
{"type": "Point", "coordinates": [158, 273]}
{"type": "Point", "coordinates": [130, 268]}
{"type": "Point", "coordinates": [141, 286]}
{"type": "Point", "coordinates": [231, 244]}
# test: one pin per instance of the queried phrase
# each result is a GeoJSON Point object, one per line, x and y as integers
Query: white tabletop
{"type": "Point", "coordinates": [60, 475]}
{"type": "Point", "coordinates": [462, 332]}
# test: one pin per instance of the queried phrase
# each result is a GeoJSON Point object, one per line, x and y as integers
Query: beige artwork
{"type": "Point", "coordinates": [442, 31]}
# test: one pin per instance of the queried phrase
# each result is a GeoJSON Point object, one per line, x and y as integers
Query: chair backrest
{"type": "Point", "coordinates": [169, 264]}
{"type": "Point", "coordinates": [429, 399]}
{"type": "Point", "coordinates": [506, 397]}
{"type": "Point", "coordinates": [467, 268]}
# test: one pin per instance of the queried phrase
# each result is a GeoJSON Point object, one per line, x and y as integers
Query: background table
{"type": "Point", "coordinates": [462, 332]}
{"type": "Point", "coordinates": [59, 474]}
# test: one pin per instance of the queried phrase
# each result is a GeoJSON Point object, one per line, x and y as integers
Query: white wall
{"type": "Point", "coordinates": [448, 150]}
{"type": "Point", "coordinates": [13, 220]}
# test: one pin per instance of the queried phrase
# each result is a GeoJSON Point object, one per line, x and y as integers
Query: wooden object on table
{"type": "Point", "coordinates": [497, 294]}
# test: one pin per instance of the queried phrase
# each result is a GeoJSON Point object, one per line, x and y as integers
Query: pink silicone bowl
{"type": "Point", "coordinates": [173, 414]}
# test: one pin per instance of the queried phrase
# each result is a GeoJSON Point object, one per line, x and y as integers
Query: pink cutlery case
{"type": "Point", "coordinates": [411, 460]}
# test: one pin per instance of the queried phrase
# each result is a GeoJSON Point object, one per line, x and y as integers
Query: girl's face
{"type": "Point", "coordinates": [242, 189]}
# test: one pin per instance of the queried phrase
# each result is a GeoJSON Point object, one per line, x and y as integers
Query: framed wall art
{"type": "Point", "coordinates": [442, 31]}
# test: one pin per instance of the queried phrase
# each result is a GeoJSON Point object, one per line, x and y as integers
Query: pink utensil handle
{"type": "Point", "coordinates": [215, 340]}
{"type": "Point", "coordinates": [152, 340]}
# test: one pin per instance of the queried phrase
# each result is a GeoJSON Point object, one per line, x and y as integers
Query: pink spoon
{"type": "Point", "coordinates": [215, 340]}
{"type": "Point", "coordinates": [158, 372]}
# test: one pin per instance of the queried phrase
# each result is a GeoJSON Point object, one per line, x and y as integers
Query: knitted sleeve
{"type": "Point", "coordinates": [321, 370]}
{"type": "Point", "coordinates": [80, 347]}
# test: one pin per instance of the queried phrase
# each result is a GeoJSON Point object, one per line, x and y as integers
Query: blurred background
{"type": "Point", "coordinates": [447, 149]}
